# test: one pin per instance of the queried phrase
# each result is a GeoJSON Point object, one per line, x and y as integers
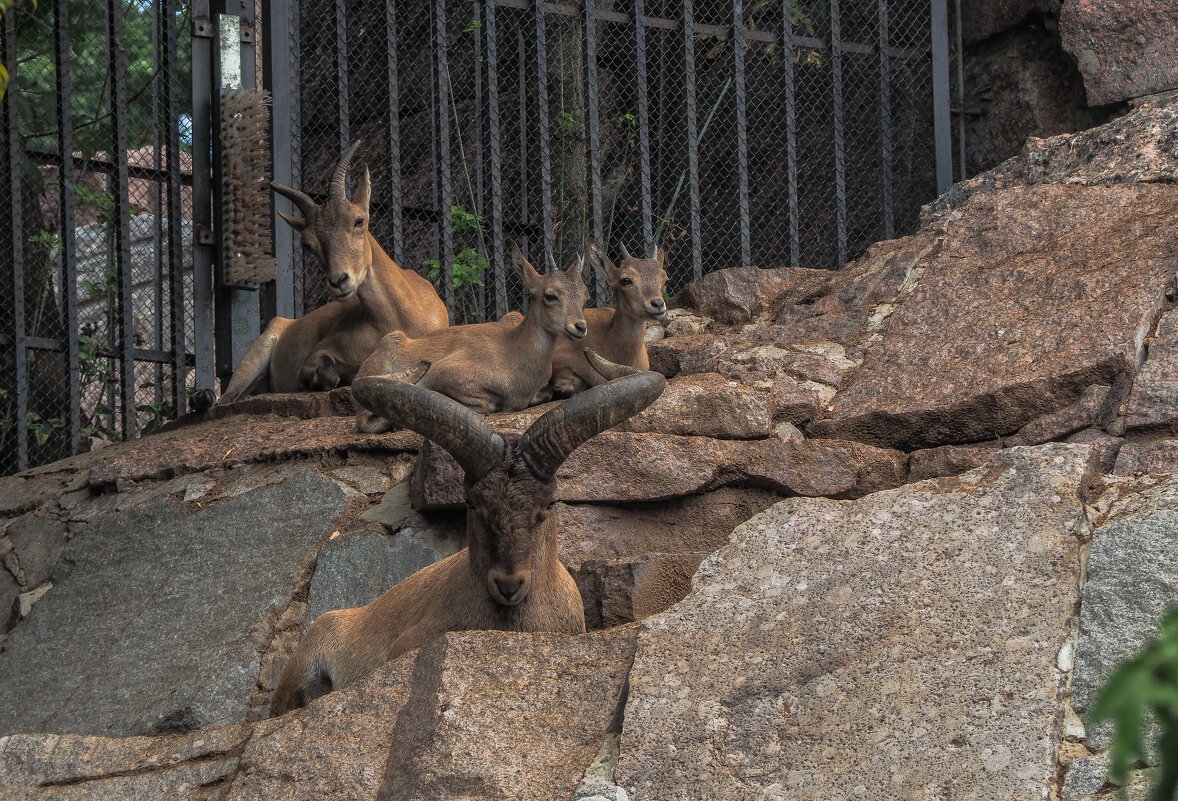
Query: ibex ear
{"type": "Point", "coordinates": [297, 223]}
{"type": "Point", "coordinates": [363, 191]}
{"type": "Point", "coordinates": [595, 255]}
{"type": "Point", "coordinates": [660, 255]}
{"type": "Point", "coordinates": [524, 268]}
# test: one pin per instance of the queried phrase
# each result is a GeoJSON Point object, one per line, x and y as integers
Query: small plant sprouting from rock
{"type": "Point", "coordinates": [1145, 686]}
{"type": "Point", "coordinates": [469, 264]}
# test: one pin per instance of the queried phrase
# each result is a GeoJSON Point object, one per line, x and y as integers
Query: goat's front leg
{"type": "Point", "coordinates": [371, 423]}
{"type": "Point", "coordinates": [323, 371]}
{"type": "Point", "coordinates": [255, 365]}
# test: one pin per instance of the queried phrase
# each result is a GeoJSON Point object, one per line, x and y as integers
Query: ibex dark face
{"type": "Point", "coordinates": [558, 297]}
{"type": "Point", "coordinates": [336, 232]}
{"type": "Point", "coordinates": [638, 284]}
{"type": "Point", "coordinates": [510, 486]}
{"type": "Point", "coordinates": [508, 520]}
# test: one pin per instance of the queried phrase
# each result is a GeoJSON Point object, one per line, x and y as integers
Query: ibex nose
{"type": "Point", "coordinates": [509, 586]}
{"type": "Point", "coordinates": [657, 306]}
{"type": "Point", "coordinates": [581, 327]}
{"type": "Point", "coordinates": [341, 282]}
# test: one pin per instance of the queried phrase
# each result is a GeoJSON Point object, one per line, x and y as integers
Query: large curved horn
{"type": "Point", "coordinates": [462, 432]}
{"type": "Point", "coordinates": [549, 441]}
{"type": "Point", "coordinates": [625, 253]}
{"type": "Point", "coordinates": [340, 175]}
{"type": "Point", "coordinates": [302, 201]}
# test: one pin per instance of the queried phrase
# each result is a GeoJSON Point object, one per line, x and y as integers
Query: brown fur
{"type": "Point", "coordinates": [373, 296]}
{"type": "Point", "coordinates": [616, 335]}
{"type": "Point", "coordinates": [511, 534]}
{"type": "Point", "coordinates": [490, 367]}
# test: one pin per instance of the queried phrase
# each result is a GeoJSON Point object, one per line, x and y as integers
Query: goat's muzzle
{"type": "Point", "coordinates": [577, 330]}
{"type": "Point", "coordinates": [342, 287]}
{"type": "Point", "coordinates": [508, 589]}
{"type": "Point", "coordinates": [656, 308]}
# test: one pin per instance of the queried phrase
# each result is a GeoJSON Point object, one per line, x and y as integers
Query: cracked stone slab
{"type": "Point", "coordinates": [886, 647]}
{"type": "Point", "coordinates": [158, 614]}
{"type": "Point", "coordinates": [1035, 294]}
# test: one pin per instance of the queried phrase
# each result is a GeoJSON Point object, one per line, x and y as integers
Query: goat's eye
{"type": "Point", "coordinates": [359, 222]}
{"type": "Point", "coordinates": [550, 297]}
{"type": "Point", "coordinates": [627, 282]}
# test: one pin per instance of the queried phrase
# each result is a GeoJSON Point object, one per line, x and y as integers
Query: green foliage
{"type": "Point", "coordinates": [469, 263]}
{"type": "Point", "coordinates": [565, 121]}
{"type": "Point", "coordinates": [473, 26]}
{"type": "Point", "coordinates": [1145, 686]}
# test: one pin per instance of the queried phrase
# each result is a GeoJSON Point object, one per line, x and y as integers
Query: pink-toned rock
{"type": "Point", "coordinates": [1034, 295]}
{"type": "Point", "coordinates": [1124, 49]}
{"type": "Point", "coordinates": [948, 460]}
{"type": "Point", "coordinates": [624, 590]}
{"type": "Point", "coordinates": [1135, 458]}
{"type": "Point", "coordinates": [620, 467]}
{"type": "Point", "coordinates": [1153, 402]}
{"type": "Point", "coordinates": [742, 294]}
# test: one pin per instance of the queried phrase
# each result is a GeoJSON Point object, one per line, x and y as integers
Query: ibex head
{"type": "Point", "coordinates": [638, 284]}
{"type": "Point", "coordinates": [558, 298]}
{"type": "Point", "coordinates": [337, 231]}
{"type": "Point", "coordinates": [510, 483]}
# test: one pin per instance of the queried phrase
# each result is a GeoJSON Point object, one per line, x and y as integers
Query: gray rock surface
{"type": "Point", "coordinates": [353, 569]}
{"type": "Point", "coordinates": [37, 542]}
{"type": "Point", "coordinates": [158, 614]}
{"type": "Point", "coordinates": [392, 510]}
{"type": "Point", "coordinates": [9, 593]}
{"type": "Point", "coordinates": [888, 647]}
{"type": "Point", "coordinates": [1153, 403]}
{"type": "Point", "coordinates": [1084, 777]}
{"type": "Point", "coordinates": [1132, 580]}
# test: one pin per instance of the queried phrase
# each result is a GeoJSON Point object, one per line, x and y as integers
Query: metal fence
{"type": "Point", "coordinates": [729, 132]}
{"type": "Point", "coordinates": [95, 330]}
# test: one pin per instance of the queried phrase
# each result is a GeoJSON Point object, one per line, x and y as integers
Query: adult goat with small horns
{"type": "Point", "coordinates": [509, 577]}
{"type": "Point", "coordinates": [372, 296]}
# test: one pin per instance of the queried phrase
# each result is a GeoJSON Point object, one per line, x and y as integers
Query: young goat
{"type": "Point", "coordinates": [490, 367]}
{"type": "Point", "coordinates": [372, 296]}
{"type": "Point", "coordinates": [618, 336]}
{"type": "Point", "coordinates": [508, 577]}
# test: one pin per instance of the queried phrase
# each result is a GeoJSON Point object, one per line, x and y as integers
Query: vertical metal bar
{"type": "Point", "coordinates": [442, 118]}
{"type": "Point", "coordinates": [341, 71]}
{"type": "Point", "coordinates": [742, 143]}
{"type": "Point", "coordinates": [522, 84]}
{"type": "Point", "coordinates": [396, 200]}
{"type": "Point", "coordinates": [117, 64]}
{"type": "Point", "coordinates": [542, 120]}
{"type": "Point", "coordinates": [279, 75]}
{"type": "Point", "coordinates": [69, 247]}
{"type": "Point", "coordinates": [791, 133]}
{"type": "Point", "coordinates": [157, 197]}
{"type": "Point", "coordinates": [643, 125]}
{"type": "Point", "coordinates": [479, 158]}
{"type": "Point", "coordinates": [840, 166]}
{"type": "Point", "coordinates": [15, 156]}
{"type": "Point", "coordinates": [170, 40]}
{"type": "Point", "coordinates": [942, 128]}
{"type": "Point", "coordinates": [959, 58]}
{"type": "Point", "coordinates": [495, 156]}
{"type": "Point", "coordinates": [885, 122]}
{"type": "Point", "coordinates": [594, 125]}
{"type": "Point", "coordinates": [202, 210]}
{"type": "Point", "coordinates": [697, 260]}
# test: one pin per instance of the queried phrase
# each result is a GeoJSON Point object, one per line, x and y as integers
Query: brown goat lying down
{"type": "Point", "coordinates": [509, 576]}
{"type": "Point", "coordinates": [490, 367]}
{"type": "Point", "coordinates": [371, 297]}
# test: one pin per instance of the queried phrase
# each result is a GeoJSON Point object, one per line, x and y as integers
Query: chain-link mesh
{"type": "Point", "coordinates": [811, 130]}
{"type": "Point", "coordinates": [90, 316]}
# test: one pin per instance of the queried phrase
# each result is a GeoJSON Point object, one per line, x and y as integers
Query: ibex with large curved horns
{"type": "Point", "coordinates": [372, 295]}
{"type": "Point", "coordinates": [619, 335]}
{"type": "Point", "coordinates": [508, 577]}
{"type": "Point", "coordinates": [491, 367]}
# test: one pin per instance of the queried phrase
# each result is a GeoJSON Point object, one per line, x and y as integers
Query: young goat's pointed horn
{"type": "Point", "coordinates": [550, 440]}
{"type": "Point", "coordinates": [625, 253]}
{"type": "Point", "coordinates": [337, 189]}
{"type": "Point", "coordinates": [303, 202]}
{"type": "Point", "coordinates": [463, 433]}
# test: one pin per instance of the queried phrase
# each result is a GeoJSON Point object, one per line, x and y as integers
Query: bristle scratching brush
{"type": "Point", "coordinates": [245, 188]}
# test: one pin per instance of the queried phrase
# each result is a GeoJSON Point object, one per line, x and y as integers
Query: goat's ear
{"type": "Point", "coordinates": [595, 255]}
{"type": "Point", "coordinates": [297, 223]}
{"type": "Point", "coordinates": [524, 268]}
{"type": "Point", "coordinates": [363, 191]}
{"type": "Point", "coordinates": [660, 255]}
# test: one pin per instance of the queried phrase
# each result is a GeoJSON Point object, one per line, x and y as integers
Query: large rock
{"type": "Point", "coordinates": [38, 543]}
{"type": "Point", "coordinates": [619, 467]}
{"type": "Point", "coordinates": [742, 294]}
{"type": "Point", "coordinates": [1036, 294]}
{"type": "Point", "coordinates": [1124, 49]}
{"type": "Point", "coordinates": [889, 647]}
{"type": "Point", "coordinates": [353, 569]}
{"type": "Point", "coordinates": [496, 715]}
{"type": "Point", "coordinates": [1126, 592]}
{"type": "Point", "coordinates": [1153, 403]}
{"type": "Point", "coordinates": [982, 19]}
{"type": "Point", "coordinates": [158, 615]}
